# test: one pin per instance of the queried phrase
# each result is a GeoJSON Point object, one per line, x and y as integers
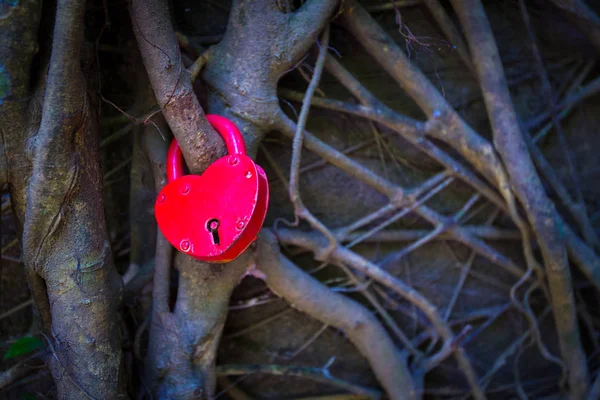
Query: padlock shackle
{"type": "Point", "coordinates": [230, 134]}
{"type": "Point", "coordinates": [174, 162]}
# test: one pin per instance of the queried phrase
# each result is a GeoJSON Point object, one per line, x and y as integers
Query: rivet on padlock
{"type": "Point", "coordinates": [215, 216]}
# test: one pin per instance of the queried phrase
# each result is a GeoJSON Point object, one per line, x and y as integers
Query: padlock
{"type": "Point", "coordinates": [215, 216]}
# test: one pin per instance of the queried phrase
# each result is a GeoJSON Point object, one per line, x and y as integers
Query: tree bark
{"type": "Point", "coordinates": [52, 166]}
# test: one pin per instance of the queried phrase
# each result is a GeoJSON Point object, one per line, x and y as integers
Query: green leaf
{"type": "Point", "coordinates": [22, 346]}
{"type": "Point", "coordinates": [28, 396]}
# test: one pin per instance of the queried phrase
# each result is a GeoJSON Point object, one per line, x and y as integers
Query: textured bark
{"type": "Point", "coordinates": [446, 24]}
{"type": "Point", "coordinates": [55, 182]}
{"type": "Point", "coordinates": [172, 86]}
{"type": "Point", "coordinates": [18, 29]}
{"type": "Point", "coordinates": [183, 343]}
{"type": "Point", "coordinates": [242, 72]}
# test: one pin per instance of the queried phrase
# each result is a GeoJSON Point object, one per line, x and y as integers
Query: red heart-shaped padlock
{"type": "Point", "coordinates": [214, 217]}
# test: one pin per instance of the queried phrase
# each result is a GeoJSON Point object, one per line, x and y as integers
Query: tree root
{"type": "Point", "coordinates": [310, 296]}
{"type": "Point", "coordinates": [343, 256]}
{"type": "Point", "coordinates": [527, 186]}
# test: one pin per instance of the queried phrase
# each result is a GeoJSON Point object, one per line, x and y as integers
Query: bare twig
{"type": "Point", "coordinates": [69, 263]}
{"type": "Point", "coordinates": [156, 151]}
{"type": "Point", "coordinates": [196, 67]}
{"type": "Point", "coordinates": [447, 25]}
{"type": "Point", "coordinates": [300, 209]}
{"type": "Point", "coordinates": [501, 360]}
{"type": "Point", "coordinates": [575, 96]}
{"type": "Point", "coordinates": [577, 207]}
{"type": "Point", "coordinates": [308, 342]}
{"type": "Point", "coordinates": [317, 374]}
{"type": "Point", "coordinates": [397, 194]}
{"type": "Point", "coordinates": [366, 291]}
{"type": "Point", "coordinates": [117, 135]}
{"type": "Point", "coordinates": [466, 269]}
{"type": "Point", "coordinates": [527, 185]}
{"type": "Point", "coordinates": [20, 370]}
{"type": "Point", "coordinates": [259, 324]}
{"type": "Point", "coordinates": [407, 235]}
{"type": "Point", "coordinates": [19, 307]}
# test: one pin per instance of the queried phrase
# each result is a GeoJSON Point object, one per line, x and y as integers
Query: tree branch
{"type": "Point", "coordinates": [447, 26]}
{"type": "Point", "coordinates": [397, 195]}
{"type": "Point", "coordinates": [576, 207]}
{"type": "Point", "coordinates": [344, 256]}
{"type": "Point", "coordinates": [156, 150]}
{"type": "Point", "coordinates": [244, 87]}
{"type": "Point", "coordinates": [526, 184]}
{"type": "Point", "coordinates": [300, 210]}
{"type": "Point", "coordinates": [316, 374]}
{"type": "Point", "coordinates": [172, 86]}
{"type": "Point", "coordinates": [362, 328]}
{"type": "Point", "coordinates": [580, 252]}
{"type": "Point", "coordinates": [299, 134]}
{"type": "Point", "coordinates": [312, 16]}
{"type": "Point", "coordinates": [443, 122]}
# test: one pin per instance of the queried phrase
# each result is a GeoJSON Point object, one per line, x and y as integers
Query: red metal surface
{"type": "Point", "coordinates": [229, 132]}
{"type": "Point", "coordinates": [233, 191]}
{"type": "Point", "coordinates": [234, 141]}
{"type": "Point", "coordinates": [174, 162]}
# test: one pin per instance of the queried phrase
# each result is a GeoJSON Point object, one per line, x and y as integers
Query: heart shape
{"type": "Point", "coordinates": [233, 191]}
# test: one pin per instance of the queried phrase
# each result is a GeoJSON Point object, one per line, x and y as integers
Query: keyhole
{"type": "Point", "coordinates": [213, 227]}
